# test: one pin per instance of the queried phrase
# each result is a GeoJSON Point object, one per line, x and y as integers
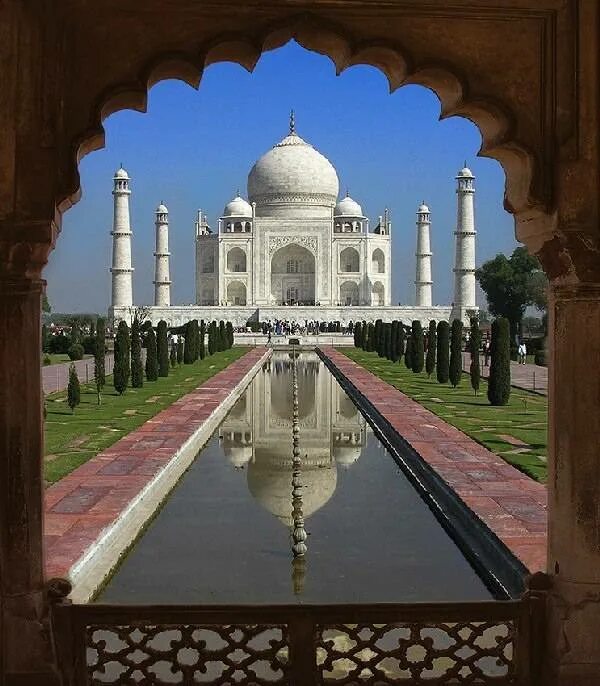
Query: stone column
{"type": "Point", "coordinates": [162, 281]}
{"type": "Point", "coordinates": [574, 485]}
{"type": "Point", "coordinates": [423, 280]}
{"type": "Point", "coordinates": [25, 650]}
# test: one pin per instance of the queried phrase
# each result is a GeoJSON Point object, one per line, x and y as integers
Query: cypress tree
{"type": "Point", "coordinates": [202, 346]}
{"type": "Point", "coordinates": [121, 366]}
{"type": "Point", "coordinates": [379, 337]}
{"type": "Point", "coordinates": [443, 350]}
{"type": "Point", "coordinates": [162, 344]}
{"type": "Point", "coordinates": [195, 340]}
{"type": "Point", "coordinates": [137, 369]}
{"type": "Point", "coordinates": [431, 348]}
{"type": "Point", "coordinates": [211, 338]}
{"type": "Point", "coordinates": [499, 381]}
{"type": "Point", "coordinates": [180, 349]}
{"type": "Point", "coordinates": [474, 343]}
{"type": "Point", "coordinates": [221, 338]}
{"type": "Point", "coordinates": [188, 346]}
{"type": "Point", "coordinates": [151, 356]}
{"type": "Point", "coordinates": [401, 341]}
{"type": "Point", "coordinates": [387, 341]}
{"type": "Point", "coordinates": [418, 348]}
{"type": "Point", "coordinates": [370, 337]}
{"type": "Point", "coordinates": [73, 389]}
{"type": "Point", "coordinates": [44, 338]}
{"type": "Point", "coordinates": [408, 353]}
{"type": "Point", "coordinates": [229, 334]}
{"type": "Point", "coordinates": [357, 335]}
{"type": "Point", "coordinates": [456, 352]}
{"type": "Point", "coordinates": [100, 357]}
{"type": "Point", "coordinates": [173, 355]}
{"type": "Point", "coordinates": [394, 341]}
{"type": "Point", "coordinates": [364, 337]}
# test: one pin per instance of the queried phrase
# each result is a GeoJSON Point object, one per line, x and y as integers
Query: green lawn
{"type": "Point", "coordinates": [72, 439]}
{"type": "Point", "coordinates": [524, 418]}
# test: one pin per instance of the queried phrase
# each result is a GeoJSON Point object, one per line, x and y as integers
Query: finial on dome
{"type": "Point", "coordinates": [292, 122]}
{"type": "Point", "coordinates": [347, 192]}
{"type": "Point", "coordinates": [465, 163]}
{"type": "Point", "coordinates": [237, 192]}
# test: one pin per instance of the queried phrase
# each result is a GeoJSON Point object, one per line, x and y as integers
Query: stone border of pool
{"type": "Point", "coordinates": [93, 514]}
{"type": "Point", "coordinates": [494, 513]}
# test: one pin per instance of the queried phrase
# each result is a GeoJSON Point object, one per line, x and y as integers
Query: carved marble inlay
{"type": "Point", "coordinates": [309, 242]}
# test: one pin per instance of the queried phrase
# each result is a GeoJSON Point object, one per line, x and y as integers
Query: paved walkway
{"type": "Point", "coordinates": [530, 377]}
{"type": "Point", "coordinates": [55, 377]}
{"type": "Point", "coordinates": [79, 507]}
{"type": "Point", "coordinates": [511, 504]}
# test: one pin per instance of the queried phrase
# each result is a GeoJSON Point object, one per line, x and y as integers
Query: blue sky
{"type": "Point", "coordinates": [195, 148]}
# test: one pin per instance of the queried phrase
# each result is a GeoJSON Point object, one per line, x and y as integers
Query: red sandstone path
{"type": "Point", "coordinates": [511, 504]}
{"type": "Point", "coordinates": [85, 502]}
{"type": "Point", "coordinates": [529, 377]}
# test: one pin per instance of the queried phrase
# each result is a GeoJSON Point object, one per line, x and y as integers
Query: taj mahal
{"type": "Point", "coordinates": [294, 250]}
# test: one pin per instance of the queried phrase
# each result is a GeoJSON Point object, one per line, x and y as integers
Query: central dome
{"type": "Point", "coordinates": [292, 173]}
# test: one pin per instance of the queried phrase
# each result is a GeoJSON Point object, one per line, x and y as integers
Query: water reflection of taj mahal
{"type": "Point", "coordinates": [257, 434]}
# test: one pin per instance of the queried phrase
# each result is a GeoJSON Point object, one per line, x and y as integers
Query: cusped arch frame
{"type": "Point", "coordinates": [494, 120]}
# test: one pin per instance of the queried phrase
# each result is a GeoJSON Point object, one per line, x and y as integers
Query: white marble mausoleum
{"type": "Point", "coordinates": [294, 250]}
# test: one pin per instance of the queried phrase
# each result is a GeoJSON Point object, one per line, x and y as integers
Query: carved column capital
{"type": "Point", "coordinates": [24, 251]}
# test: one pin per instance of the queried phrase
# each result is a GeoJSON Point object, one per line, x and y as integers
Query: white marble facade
{"type": "Point", "coordinates": [295, 251]}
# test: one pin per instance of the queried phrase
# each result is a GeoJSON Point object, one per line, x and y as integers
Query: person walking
{"type": "Point", "coordinates": [522, 353]}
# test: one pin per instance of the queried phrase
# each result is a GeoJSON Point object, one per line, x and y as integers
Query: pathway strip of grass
{"type": "Point", "coordinates": [516, 432]}
{"type": "Point", "coordinates": [73, 438]}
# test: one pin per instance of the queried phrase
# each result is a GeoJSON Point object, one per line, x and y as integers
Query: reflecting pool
{"type": "Point", "coordinates": [223, 535]}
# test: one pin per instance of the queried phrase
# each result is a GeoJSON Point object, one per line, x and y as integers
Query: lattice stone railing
{"type": "Point", "coordinates": [446, 644]}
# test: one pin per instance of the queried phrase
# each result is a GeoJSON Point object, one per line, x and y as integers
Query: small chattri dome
{"type": "Point", "coordinates": [238, 207]}
{"type": "Point", "coordinates": [162, 209]}
{"type": "Point", "coordinates": [423, 209]}
{"type": "Point", "coordinates": [121, 173]}
{"type": "Point", "coordinates": [465, 171]}
{"type": "Point", "coordinates": [347, 207]}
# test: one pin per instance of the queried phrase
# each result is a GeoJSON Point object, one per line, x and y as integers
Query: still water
{"type": "Point", "coordinates": [223, 535]}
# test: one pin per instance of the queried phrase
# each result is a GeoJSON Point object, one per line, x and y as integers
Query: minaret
{"type": "Point", "coordinates": [122, 271]}
{"type": "Point", "coordinates": [423, 280]}
{"type": "Point", "coordinates": [464, 262]}
{"type": "Point", "coordinates": [162, 282]}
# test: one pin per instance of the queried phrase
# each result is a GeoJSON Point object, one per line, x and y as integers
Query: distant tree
{"type": "Point", "coordinates": [387, 341]}
{"type": "Point", "coordinates": [202, 344]}
{"type": "Point", "coordinates": [431, 348]}
{"type": "Point", "coordinates": [511, 284]}
{"type": "Point", "coordinates": [188, 347]}
{"type": "Point", "coordinates": [394, 341]}
{"type": "Point", "coordinates": [100, 358]}
{"type": "Point", "coordinates": [456, 352]}
{"type": "Point", "coordinates": [44, 338]}
{"type": "Point", "coordinates": [221, 336]}
{"type": "Point", "coordinates": [137, 368]}
{"type": "Point", "coordinates": [378, 337]}
{"type": "Point", "coordinates": [229, 334]}
{"type": "Point", "coordinates": [46, 309]}
{"type": "Point", "coordinates": [162, 345]}
{"type": "Point", "coordinates": [443, 351]}
{"type": "Point", "coordinates": [408, 353]}
{"type": "Point", "coordinates": [73, 389]}
{"type": "Point", "coordinates": [358, 335]}
{"type": "Point", "coordinates": [180, 349]}
{"type": "Point", "coordinates": [474, 343]}
{"type": "Point", "coordinates": [418, 347]}
{"type": "Point", "coordinates": [75, 351]}
{"type": "Point", "coordinates": [499, 380]}
{"type": "Point", "coordinates": [121, 353]}
{"type": "Point", "coordinates": [364, 335]}
{"type": "Point", "coordinates": [75, 334]}
{"type": "Point", "coordinates": [401, 341]}
{"type": "Point", "coordinates": [151, 356]}
{"type": "Point", "coordinates": [173, 355]}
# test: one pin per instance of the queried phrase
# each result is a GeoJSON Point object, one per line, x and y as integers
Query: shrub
{"type": "Point", "coordinates": [456, 352]}
{"type": "Point", "coordinates": [99, 357]}
{"type": "Point", "coordinates": [75, 352]}
{"type": "Point", "coordinates": [137, 370]}
{"type": "Point", "coordinates": [418, 350]}
{"type": "Point", "coordinates": [162, 345]}
{"type": "Point", "coordinates": [73, 389]}
{"type": "Point", "coordinates": [151, 356]}
{"type": "Point", "coordinates": [540, 358]}
{"type": "Point", "coordinates": [47, 360]}
{"type": "Point", "coordinates": [474, 343]}
{"type": "Point", "coordinates": [431, 348]}
{"type": "Point", "coordinates": [121, 366]}
{"type": "Point", "coordinates": [358, 335]}
{"type": "Point", "coordinates": [499, 380]}
{"type": "Point", "coordinates": [89, 344]}
{"type": "Point", "coordinates": [442, 351]}
{"type": "Point", "coordinates": [212, 338]}
{"type": "Point", "coordinates": [59, 345]}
